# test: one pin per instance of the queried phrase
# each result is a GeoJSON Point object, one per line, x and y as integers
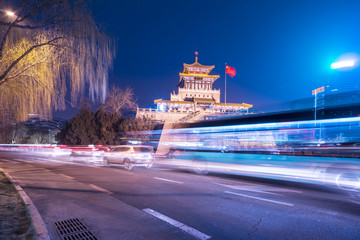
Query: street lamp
{"type": "Point", "coordinates": [10, 13]}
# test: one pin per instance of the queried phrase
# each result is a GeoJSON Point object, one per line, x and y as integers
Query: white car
{"type": "Point", "coordinates": [130, 156]}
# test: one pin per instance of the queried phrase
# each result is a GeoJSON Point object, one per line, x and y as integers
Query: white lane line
{"type": "Point", "coordinates": [167, 180]}
{"type": "Point", "coordinates": [258, 198]}
{"type": "Point", "coordinates": [245, 188]}
{"type": "Point", "coordinates": [287, 190]}
{"type": "Point", "coordinates": [66, 162]}
{"type": "Point", "coordinates": [66, 176]}
{"type": "Point", "coordinates": [100, 189]}
{"type": "Point", "coordinates": [189, 230]}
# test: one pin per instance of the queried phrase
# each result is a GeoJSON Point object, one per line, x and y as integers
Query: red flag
{"type": "Point", "coordinates": [230, 70]}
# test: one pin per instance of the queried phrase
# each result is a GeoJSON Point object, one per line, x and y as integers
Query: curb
{"type": "Point", "coordinates": [37, 221]}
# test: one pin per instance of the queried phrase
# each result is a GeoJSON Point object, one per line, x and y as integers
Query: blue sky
{"type": "Point", "coordinates": [280, 49]}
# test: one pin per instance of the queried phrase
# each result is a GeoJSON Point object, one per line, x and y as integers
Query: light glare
{"type": "Point", "coordinates": [10, 13]}
{"type": "Point", "coordinates": [342, 64]}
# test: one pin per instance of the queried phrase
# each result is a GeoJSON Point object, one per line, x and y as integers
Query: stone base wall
{"type": "Point", "coordinates": [172, 116]}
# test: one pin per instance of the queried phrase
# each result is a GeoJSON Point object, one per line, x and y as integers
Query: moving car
{"type": "Point", "coordinates": [130, 156]}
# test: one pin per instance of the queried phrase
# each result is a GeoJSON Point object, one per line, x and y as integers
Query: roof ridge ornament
{"type": "Point", "coordinates": [196, 56]}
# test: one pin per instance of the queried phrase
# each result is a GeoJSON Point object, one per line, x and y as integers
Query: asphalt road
{"type": "Point", "coordinates": [214, 206]}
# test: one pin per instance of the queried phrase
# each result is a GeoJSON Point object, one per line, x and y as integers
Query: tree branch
{"type": "Point", "coordinates": [46, 5]}
{"type": "Point", "coordinates": [22, 71]}
{"type": "Point", "coordinates": [2, 77]}
{"type": "Point", "coordinates": [2, 44]}
{"type": "Point", "coordinates": [11, 25]}
{"type": "Point", "coordinates": [44, 86]}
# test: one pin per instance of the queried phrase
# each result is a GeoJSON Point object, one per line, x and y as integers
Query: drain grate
{"type": "Point", "coordinates": [74, 229]}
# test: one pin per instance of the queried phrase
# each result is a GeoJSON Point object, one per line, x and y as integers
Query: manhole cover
{"type": "Point", "coordinates": [74, 229]}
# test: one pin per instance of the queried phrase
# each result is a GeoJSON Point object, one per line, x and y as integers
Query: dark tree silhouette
{"type": "Point", "coordinates": [80, 130]}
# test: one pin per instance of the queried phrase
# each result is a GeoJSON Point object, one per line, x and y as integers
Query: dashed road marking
{"type": "Point", "coordinates": [287, 190]}
{"type": "Point", "coordinates": [167, 180]}
{"type": "Point", "coordinates": [100, 189]}
{"type": "Point", "coordinates": [261, 199]}
{"type": "Point", "coordinates": [189, 230]}
{"type": "Point", "coordinates": [245, 188]}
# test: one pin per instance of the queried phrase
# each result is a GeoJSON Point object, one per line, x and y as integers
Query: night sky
{"type": "Point", "coordinates": [280, 49]}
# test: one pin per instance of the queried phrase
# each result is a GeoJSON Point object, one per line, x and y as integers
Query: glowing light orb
{"type": "Point", "coordinates": [10, 13]}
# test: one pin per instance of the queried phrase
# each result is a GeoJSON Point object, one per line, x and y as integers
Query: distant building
{"type": "Point", "coordinates": [35, 122]}
{"type": "Point", "coordinates": [195, 98]}
{"type": "Point", "coordinates": [37, 130]}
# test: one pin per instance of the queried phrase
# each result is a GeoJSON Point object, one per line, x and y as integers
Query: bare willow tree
{"type": "Point", "coordinates": [120, 101]}
{"type": "Point", "coordinates": [48, 49]}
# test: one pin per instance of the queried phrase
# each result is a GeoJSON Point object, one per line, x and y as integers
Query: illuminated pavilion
{"type": "Point", "coordinates": [195, 99]}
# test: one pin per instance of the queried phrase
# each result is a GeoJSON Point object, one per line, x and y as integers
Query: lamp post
{"type": "Point", "coordinates": [346, 62]}
{"type": "Point", "coordinates": [315, 92]}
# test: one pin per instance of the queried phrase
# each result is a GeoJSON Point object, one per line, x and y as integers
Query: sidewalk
{"type": "Point", "coordinates": [58, 197]}
{"type": "Point", "coordinates": [15, 222]}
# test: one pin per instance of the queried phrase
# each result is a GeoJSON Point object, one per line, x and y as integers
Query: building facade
{"type": "Point", "coordinates": [195, 98]}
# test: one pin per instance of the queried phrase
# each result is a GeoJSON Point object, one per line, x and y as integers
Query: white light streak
{"type": "Point", "coordinates": [342, 64]}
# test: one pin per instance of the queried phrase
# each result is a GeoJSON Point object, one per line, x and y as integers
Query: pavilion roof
{"type": "Point", "coordinates": [198, 65]}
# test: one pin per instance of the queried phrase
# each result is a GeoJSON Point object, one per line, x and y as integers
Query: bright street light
{"type": "Point", "coordinates": [343, 64]}
{"type": "Point", "coordinates": [10, 13]}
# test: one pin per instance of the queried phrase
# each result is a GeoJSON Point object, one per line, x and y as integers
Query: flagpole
{"type": "Point", "coordinates": [225, 85]}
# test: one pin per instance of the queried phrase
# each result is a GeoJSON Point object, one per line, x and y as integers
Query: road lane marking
{"type": "Point", "coordinates": [245, 188]}
{"type": "Point", "coordinates": [287, 190]}
{"type": "Point", "coordinates": [63, 161]}
{"type": "Point", "coordinates": [100, 189]}
{"type": "Point", "coordinates": [258, 198]}
{"type": "Point", "coordinates": [189, 230]}
{"type": "Point", "coordinates": [167, 180]}
{"type": "Point", "coordinates": [66, 176]}
{"type": "Point", "coordinates": [263, 189]}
